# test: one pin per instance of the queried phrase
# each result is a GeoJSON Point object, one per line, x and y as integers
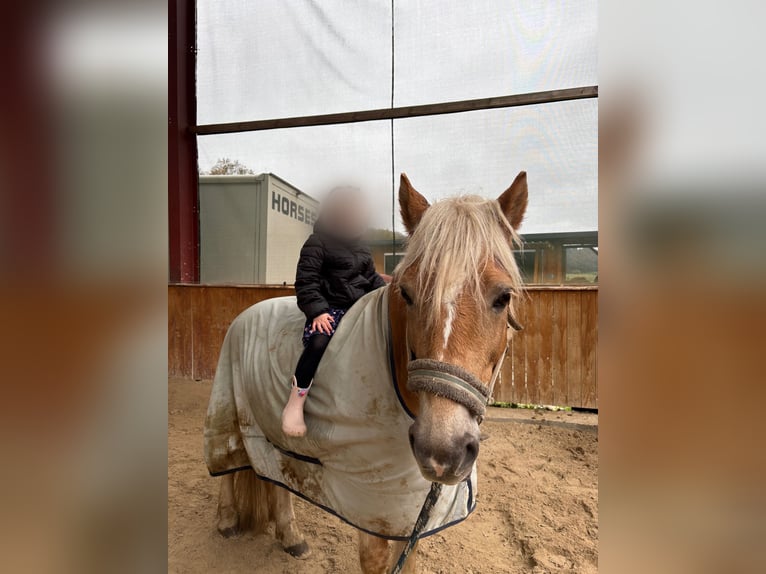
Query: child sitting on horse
{"type": "Point", "coordinates": [335, 269]}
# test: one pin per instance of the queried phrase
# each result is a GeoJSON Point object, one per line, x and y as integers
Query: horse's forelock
{"type": "Point", "coordinates": [451, 247]}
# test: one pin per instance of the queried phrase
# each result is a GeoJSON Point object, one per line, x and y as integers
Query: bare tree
{"type": "Point", "coordinates": [226, 166]}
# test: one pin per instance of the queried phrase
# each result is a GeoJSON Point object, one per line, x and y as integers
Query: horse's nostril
{"type": "Point", "coordinates": [472, 449]}
{"type": "Point", "coordinates": [412, 438]}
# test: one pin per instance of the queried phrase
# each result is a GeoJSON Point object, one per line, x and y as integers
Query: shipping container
{"type": "Point", "coordinates": [252, 228]}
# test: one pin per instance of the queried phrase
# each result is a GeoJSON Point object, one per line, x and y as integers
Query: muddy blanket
{"type": "Point", "coordinates": [355, 460]}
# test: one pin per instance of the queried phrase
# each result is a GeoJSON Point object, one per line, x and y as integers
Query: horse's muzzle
{"type": "Point", "coordinates": [450, 464]}
{"type": "Point", "coordinates": [446, 450]}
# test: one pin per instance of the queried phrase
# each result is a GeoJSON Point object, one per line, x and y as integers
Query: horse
{"type": "Point", "coordinates": [448, 309]}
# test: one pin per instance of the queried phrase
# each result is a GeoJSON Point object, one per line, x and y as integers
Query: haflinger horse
{"type": "Point", "coordinates": [406, 373]}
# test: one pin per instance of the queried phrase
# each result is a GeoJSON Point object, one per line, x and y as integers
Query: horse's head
{"type": "Point", "coordinates": [457, 281]}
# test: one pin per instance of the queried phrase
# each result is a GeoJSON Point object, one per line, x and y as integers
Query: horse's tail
{"type": "Point", "coordinates": [255, 501]}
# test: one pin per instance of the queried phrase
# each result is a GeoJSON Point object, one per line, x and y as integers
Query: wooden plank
{"type": "Point", "coordinates": [503, 391]}
{"type": "Point", "coordinates": [589, 337]}
{"type": "Point", "coordinates": [520, 391]}
{"type": "Point", "coordinates": [595, 353]}
{"type": "Point", "coordinates": [558, 348]}
{"type": "Point", "coordinates": [532, 345]}
{"type": "Point", "coordinates": [564, 288]}
{"type": "Point", "coordinates": [179, 333]}
{"type": "Point", "coordinates": [532, 98]}
{"type": "Point", "coordinates": [205, 317]}
{"type": "Point", "coordinates": [574, 357]}
{"type": "Point", "coordinates": [544, 313]}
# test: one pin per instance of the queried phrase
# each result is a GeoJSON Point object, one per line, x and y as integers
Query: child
{"type": "Point", "coordinates": [334, 270]}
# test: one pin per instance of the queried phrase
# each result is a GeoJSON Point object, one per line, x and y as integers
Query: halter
{"type": "Point", "coordinates": [455, 383]}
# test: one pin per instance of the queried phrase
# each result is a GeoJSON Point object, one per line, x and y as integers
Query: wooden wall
{"type": "Point", "coordinates": [198, 318]}
{"type": "Point", "coordinates": [552, 361]}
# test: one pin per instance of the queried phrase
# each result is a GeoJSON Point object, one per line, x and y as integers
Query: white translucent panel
{"type": "Point", "coordinates": [456, 50]}
{"type": "Point", "coordinates": [315, 159]}
{"type": "Point", "coordinates": [475, 152]}
{"type": "Point", "coordinates": [274, 58]}
{"type": "Point", "coordinates": [481, 153]}
{"type": "Point", "coordinates": [279, 58]}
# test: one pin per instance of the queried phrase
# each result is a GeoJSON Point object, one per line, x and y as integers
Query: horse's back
{"type": "Point", "coordinates": [266, 338]}
{"type": "Point", "coordinates": [277, 312]}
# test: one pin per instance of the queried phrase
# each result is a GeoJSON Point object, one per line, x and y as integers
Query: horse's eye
{"type": "Point", "coordinates": [405, 296]}
{"type": "Point", "coordinates": [502, 301]}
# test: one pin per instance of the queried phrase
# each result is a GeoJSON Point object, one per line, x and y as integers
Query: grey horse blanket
{"type": "Point", "coordinates": [355, 460]}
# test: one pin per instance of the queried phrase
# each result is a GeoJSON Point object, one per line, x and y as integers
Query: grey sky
{"type": "Point", "coordinates": [273, 58]}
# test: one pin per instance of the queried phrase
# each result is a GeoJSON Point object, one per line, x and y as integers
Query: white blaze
{"type": "Point", "coordinates": [450, 302]}
{"type": "Point", "coordinates": [448, 323]}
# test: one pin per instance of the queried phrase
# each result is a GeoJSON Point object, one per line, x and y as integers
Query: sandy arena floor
{"type": "Point", "coordinates": [537, 504]}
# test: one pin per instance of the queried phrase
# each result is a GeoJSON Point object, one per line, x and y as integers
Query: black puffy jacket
{"type": "Point", "coordinates": [333, 273]}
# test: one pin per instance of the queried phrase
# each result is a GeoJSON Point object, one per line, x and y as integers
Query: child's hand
{"type": "Point", "coordinates": [323, 323]}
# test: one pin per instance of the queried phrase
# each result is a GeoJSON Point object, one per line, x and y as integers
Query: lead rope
{"type": "Point", "coordinates": [436, 487]}
{"type": "Point", "coordinates": [420, 524]}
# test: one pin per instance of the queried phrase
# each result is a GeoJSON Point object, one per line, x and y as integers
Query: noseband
{"type": "Point", "coordinates": [455, 383]}
{"type": "Point", "coordinates": [448, 381]}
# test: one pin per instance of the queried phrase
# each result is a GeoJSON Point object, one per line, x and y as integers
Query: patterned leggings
{"type": "Point", "coordinates": [315, 343]}
{"type": "Point", "coordinates": [309, 361]}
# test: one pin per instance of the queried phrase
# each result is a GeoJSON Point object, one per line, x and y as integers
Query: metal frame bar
{"type": "Point", "coordinates": [183, 179]}
{"type": "Point", "coordinates": [529, 99]}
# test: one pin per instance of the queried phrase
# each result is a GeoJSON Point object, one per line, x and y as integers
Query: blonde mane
{"type": "Point", "coordinates": [451, 247]}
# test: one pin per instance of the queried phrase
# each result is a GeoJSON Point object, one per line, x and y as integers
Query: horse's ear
{"type": "Point", "coordinates": [513, 201]}
{"type": "Point", "coordinates": [411, 203]}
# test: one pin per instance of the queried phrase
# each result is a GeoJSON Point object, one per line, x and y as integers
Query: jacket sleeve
{"type": "Point", "coordinates": [307, 279]}
{"type": "Point", "coordinates": [371, 275]}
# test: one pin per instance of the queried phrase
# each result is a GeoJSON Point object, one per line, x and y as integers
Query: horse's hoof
{"type": "Point", "coordinates": [229, 531]}
{"type": "Point", "coordinates": [300, 550]}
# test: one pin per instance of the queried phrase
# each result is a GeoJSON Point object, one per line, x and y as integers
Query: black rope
{"type": "Point", "coordinates": [420, 524]}
{"type": "Point", "coordinates": [393, 174]}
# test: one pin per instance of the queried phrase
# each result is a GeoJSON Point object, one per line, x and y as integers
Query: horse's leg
{"type": "Point", "coordinates": [228, 517]}
{"type": "Point", "coordinates": [287, 531]}
{"type": "Point", "coordinates": [411, 564]}
{"type": "Point", "coordinates": [373, 554]}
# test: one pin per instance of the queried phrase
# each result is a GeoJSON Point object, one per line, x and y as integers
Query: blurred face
{"type": "Point", "coordinates": [346, 213]}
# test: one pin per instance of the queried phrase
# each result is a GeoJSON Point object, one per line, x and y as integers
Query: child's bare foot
{"type": "Point", "coordinates": [292, 415]}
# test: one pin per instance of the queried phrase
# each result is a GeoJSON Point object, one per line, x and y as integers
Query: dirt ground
{"type": "Point", "coordinates": [537, 504]}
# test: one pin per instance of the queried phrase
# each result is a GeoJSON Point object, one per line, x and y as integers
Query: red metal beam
{"type": "Point", "coordinates": [183, 179]}
{"type": "Point", "coordinates": [29, 244]}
